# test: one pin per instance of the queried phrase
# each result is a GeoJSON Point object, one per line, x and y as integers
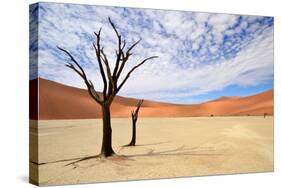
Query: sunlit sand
{"type": "Point", "coordinates": [165, 147]}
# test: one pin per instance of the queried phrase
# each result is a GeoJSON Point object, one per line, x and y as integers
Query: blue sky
{"type": "Point", "coordinates": [202, 56]}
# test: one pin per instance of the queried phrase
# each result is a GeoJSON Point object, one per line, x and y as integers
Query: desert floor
{"type": "Point", "coordinates": [166, 147]}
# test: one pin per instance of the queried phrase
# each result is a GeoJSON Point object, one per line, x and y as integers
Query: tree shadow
{"type": "Point", "coordinates": [179, 151]}
{"type": "Point", "coordinates": [151, 144]}
{"type": "Point", "coordinates": [63, 160]}
{"type": "Point", "coordinates": [182, 150]}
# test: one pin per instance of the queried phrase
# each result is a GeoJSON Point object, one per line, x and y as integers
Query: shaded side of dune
{"type": "Point", "coordinates": [58, 101]}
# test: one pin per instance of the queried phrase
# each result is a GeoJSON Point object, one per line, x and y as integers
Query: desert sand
{"type": "Point", "coordinates": [58, 101]}
{"type": "Point", "coordinates": [166, 147]}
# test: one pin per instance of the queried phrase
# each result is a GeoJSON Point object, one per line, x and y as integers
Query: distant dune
{"type": "Point", "coordinates": [58, 101]}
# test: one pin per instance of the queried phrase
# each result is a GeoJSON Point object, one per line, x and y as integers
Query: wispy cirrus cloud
{"type": "Point", "coordinates": [199, 53]}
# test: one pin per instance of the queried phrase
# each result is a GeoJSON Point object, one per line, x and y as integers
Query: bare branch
{"type": "Point", "coordinates": [73, 68]}
{"type": "Point", "coordinates": [125, 58]}
{"type": "Point", "coordinates": [98, 34]}
{"type": "Point", "coordinates": [114, 28]}
{"type": "Point", "coordinates": [120, 48]}
{"type": "Point", "coordinates": [110, 79]}
{"type": "Point", "coordinates": [138, 106]}
{"type": "Point", "coordinates": [105, 61]}
{"type": "Point", "coordinates": [136, 112]}
{"type": "Point", "coordinates": [93, 90]}
{"type": "Point", "coordinates": [82, 74]}
{"type": "Point", "coordinates": [72, 59]}
{"type": "Point", "coordinates": [124, 44]}
{"type": "Point", "coordinates": [134, 68]}
{"type": "Point", "coordinates": [129, 49]}
{"type": "Point", "coordinates": [111, 83]}
{"type": "Point", "coordinates": [98, 55]}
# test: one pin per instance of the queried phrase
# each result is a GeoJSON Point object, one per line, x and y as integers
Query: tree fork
{"type": "Point", "coordinates": [109, 78]}
{"type": "Point", "coordinates": [134, 116]}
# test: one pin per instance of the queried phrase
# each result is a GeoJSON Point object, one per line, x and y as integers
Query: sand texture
{"type": "Point", "coordinates": [58, 101]}
{"type": "Point", "coordinates": [166, 147]}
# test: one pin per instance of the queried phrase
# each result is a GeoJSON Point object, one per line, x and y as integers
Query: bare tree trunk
{"type": "Point", "coordinates": [133, 140]}
{"type": "Point", "coordinates": [106, 149]}
{"type": "Point", "coordinates": [135, 115]}
{"type": "Point", "coordinates": [110, 79]}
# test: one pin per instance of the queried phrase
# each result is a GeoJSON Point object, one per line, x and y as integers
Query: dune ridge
{"type": "Point", "coordinates": [58, 101]}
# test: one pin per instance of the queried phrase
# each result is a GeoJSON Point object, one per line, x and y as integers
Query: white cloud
{"type": "Point", "coordinates": [252, 66]}
{"type": "Point", "coordinates": [193, 56]}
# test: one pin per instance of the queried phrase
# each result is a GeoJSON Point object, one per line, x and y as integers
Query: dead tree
{"type": "Point", "coordinates": [134, 115]}
{"type": "Point", "coordinates": [111, 82]}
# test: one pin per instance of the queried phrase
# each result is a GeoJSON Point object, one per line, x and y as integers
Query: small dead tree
{"type": "Point", "coordinates": [111, 84]}
{"type": "Point", "coordinates": [134, 115]}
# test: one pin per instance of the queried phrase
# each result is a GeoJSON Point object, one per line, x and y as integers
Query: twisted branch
{"type": "Point", "coordinates": [82, 74]}
{"type": "Point", "coordinates": [110, 79]}
{"type": "Point", "coordinates": [132, 70]}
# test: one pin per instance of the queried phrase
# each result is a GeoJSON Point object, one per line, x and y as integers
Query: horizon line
{"type": "Point", "coordinates": [168, 103]}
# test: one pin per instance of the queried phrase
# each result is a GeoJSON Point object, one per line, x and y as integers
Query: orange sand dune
{"type": "Point", "coordinates": [58, 101]}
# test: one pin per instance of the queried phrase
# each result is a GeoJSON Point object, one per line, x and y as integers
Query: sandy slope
{"type": "Point", "coordinates": [166, 147]}
{"type": "Point", "coordinates": [57, 101]}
